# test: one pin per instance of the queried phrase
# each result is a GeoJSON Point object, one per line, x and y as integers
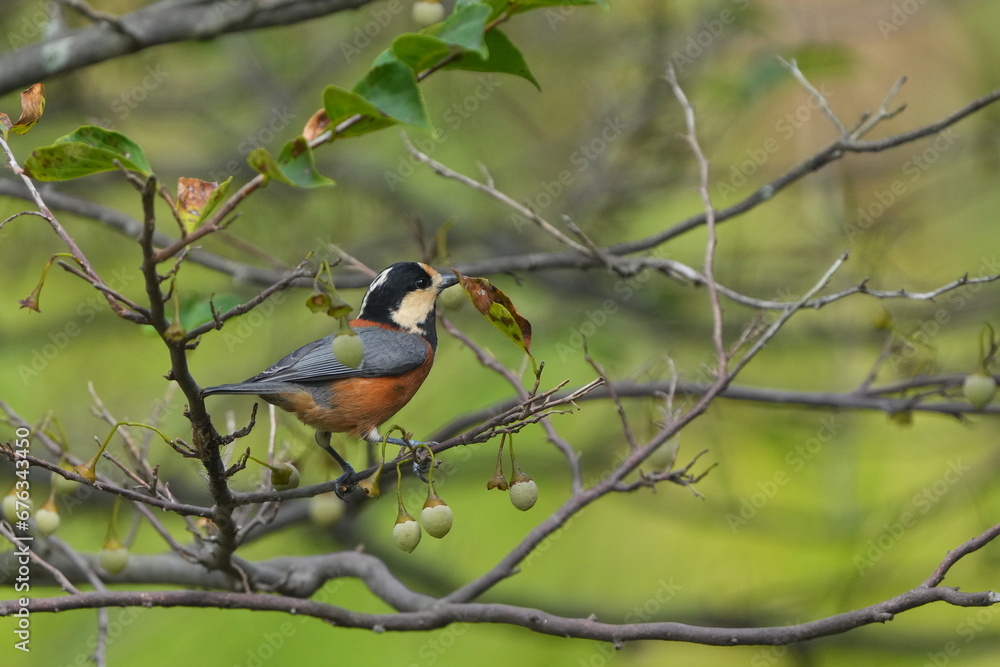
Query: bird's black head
{"type": "Point", "coordinates": [404, 296]}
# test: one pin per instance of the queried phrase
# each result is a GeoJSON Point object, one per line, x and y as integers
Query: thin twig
{"type": "Point", "coordinates": [793, 67]}
{"type": "Point", "coordinates": [711, 243]}
{"type": "Point", "coordinates": [521, 209]}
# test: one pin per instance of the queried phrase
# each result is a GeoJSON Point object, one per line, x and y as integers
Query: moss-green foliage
{"type": "Point", "coordinates": [809, 512]}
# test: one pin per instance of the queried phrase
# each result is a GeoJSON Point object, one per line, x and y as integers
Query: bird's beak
{"type": "Point", "coordinates": [448, 281]}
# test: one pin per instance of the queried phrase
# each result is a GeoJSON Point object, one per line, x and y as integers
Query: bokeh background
{"type": "Point", "coordinates": [803, 516]}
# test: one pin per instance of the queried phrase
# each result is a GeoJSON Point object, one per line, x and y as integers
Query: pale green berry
{"type": "Point", "coordinates": [406, 534]}
{"type": "Point", "coordinates": [979, 389]}
{"type": "Point", "coordinates": [348, 349]}
{"type": "Point", "coordinates": [63, 485]}
{"type": "Point", "coordinates": [437, 518]}
{"type": "Point", "coordinates": [10, 507]}
{"type": "Point", "coordinates": [284, 476]}
{"type": "Point", "coordinates": [427, 13]}
{"type": "Point", "coordinates": [113, 560]}
{"type": "Point", "coordinates": [47, 520]}
{"type": "Point", "coordinates": [325, 509]}
{"type": "Point", "coordinates": [523, 493]}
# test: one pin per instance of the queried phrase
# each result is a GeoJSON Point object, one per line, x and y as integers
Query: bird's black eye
{"type": "Point", "coordinates": [422, 283]}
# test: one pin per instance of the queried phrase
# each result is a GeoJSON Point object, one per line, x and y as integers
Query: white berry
{"type": "Point", "coordinates": [427, 13]}
{"type": "Point", "coordinates": [437, 519]}
{"type": "Point", "coordinates": [524, 494]}
{"type": "Point", "coordinates": [406, 534]}
{"type": "Point", "coordinates": [979, 389]}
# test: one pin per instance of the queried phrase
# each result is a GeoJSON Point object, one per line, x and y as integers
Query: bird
{"type": "Point", "coordinates": [397, 327]}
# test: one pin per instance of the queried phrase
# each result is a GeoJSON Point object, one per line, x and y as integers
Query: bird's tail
{"type": "Point", "coordinates": [230, 389]}
{"type": "Point", "coordinates": [259, 388]}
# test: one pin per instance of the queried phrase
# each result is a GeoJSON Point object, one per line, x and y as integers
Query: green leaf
{"type": "Point", "coordinates": [504, 58]}
{"type": "Point", "coordinates": [299, 166]}
{"type": "Point", "coordinates": [342, 104]}
{"type": "Point", "coordinates": [464, 28]}
{"type": "Point", "coordinates": [218, 196]}
{"type": "Point", "coordinates": [392, 87]}
{"type": "Point", "coordinates": [419, 51]}
{"type": "Point", "coordinates": [462, 31]}
{"type": "Point", "coordinates": [263, 162]}
{"type": "Point", "coordinates": [528, 5]}
{"type": "Point", "coordinates": [87, 150]}
{"type": "Point", "coordinates": [520, 6]}
{"type": "Point", "coordinates": [295, 165]}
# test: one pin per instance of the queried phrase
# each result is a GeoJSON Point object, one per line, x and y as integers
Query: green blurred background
{"type": "Point", "coordinates": [821, 492]}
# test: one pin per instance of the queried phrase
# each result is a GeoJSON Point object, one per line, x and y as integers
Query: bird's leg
{"type": "Point", "coordinates": [419, 468]}
{"type": "Point", "coordinates": [343, 486]}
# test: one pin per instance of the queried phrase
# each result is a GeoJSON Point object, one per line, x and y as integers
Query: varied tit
{"type": "Point", "coordinates": [397, 329]}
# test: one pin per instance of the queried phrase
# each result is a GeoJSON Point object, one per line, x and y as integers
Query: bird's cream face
{"type": "Point", "coordinates": [412, 312]}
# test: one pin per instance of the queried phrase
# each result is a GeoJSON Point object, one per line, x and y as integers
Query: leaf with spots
{"type": "Point", "coordinates": [294, 166]}
{"type": "Point", "coordinates": [87, 150]}
{"type": "Point", "coordinates": [32, 107]}
{"type": "Point", "coordinates": [498, 309]}
{"type": "Point", "coordinates": [196, 199]}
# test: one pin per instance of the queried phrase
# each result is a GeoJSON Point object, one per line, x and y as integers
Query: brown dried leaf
{"type": "Point", "coordinates": [316, 125]}
{"type": "Point", "coordinates": [192, 196]}
{"type": "Point", "coordinates": [498, 309]}
{"type": "Point", "coordinates": [32, 107]}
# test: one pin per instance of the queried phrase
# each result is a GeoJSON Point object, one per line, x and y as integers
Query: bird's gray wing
{"type": "Point", "coordinates": [389, 352]}
{"type": "Point", "coordinates": [386, 352]}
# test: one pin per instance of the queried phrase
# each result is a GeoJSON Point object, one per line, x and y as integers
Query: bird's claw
{"type": "Point", "coordinates": [421, 456]}
{"type": "Point", "coordinates": [422, 461]}
{"type": "Point", "coordinates": [344, 487]}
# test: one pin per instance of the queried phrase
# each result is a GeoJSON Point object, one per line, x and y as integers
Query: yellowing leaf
{"type": "Point", "coordinates": [192, 195]}
{"type": "Point", "coordinates": [498, 309]}
{"type": "Point", "coordinates": [32, 107]}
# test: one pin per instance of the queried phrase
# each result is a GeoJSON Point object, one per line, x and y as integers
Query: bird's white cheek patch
{"type": "Point", "coordinates": [414, 309]}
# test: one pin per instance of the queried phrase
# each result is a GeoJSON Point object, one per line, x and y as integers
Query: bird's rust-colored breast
{"type": "Point", "coordinates": [358, 405]}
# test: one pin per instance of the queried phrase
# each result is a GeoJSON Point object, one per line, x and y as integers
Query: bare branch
{"type": "Point", "coordinates": [159, 23]}
{"type": "Point", "coordinates": [488, 188]}
{"type": "Point", "coordinates": [691, 136]}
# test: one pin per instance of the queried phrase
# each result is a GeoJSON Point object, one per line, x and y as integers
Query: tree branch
{"type": "Point", "coordinates": [163, 22]}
